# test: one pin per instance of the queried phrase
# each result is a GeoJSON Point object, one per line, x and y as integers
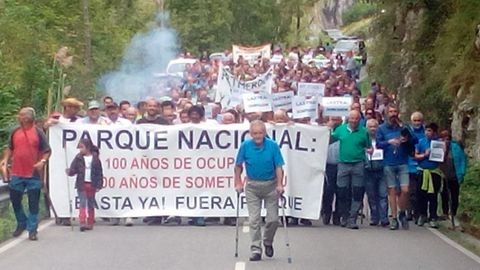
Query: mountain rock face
{"type": "Point", "coordinates": [328, 13]}
{"type": "Point", "coordinates": [427, 53]}
{"type": "Point", "coordinates": [466, 121]}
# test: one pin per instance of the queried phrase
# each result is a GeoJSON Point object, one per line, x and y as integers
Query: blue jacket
{"type": "Point", "coordinates": [392, 156]}
{"type": "Point", "coordinates": [459, 160]}
{"type": "Point", "coordinates": [420, 134]}
{"type": "Point", "coordinates": [422, 146]}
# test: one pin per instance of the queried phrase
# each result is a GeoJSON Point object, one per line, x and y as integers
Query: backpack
{"type": "Point", "coordinates": [409, 144]}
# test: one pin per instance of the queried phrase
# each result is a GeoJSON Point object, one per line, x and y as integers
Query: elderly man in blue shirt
{"type": "Point", "coordinates": [263, 162]}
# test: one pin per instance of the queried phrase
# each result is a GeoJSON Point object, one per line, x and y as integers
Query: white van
{"type": "Point", "coordinates": [177, 66]}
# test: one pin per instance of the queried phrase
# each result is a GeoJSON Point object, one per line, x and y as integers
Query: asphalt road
{"type": "Point", "coordinates": [212, 247]}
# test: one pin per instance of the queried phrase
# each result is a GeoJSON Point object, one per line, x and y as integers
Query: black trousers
{"type": "Point", "coordinates": [413, 186]}
{"type": "Point", "coordinates": [329, 190]}
{"type": "Point", "coordinates": [428, 201]}
{"type": "Point", "coordinates": [451, 191]}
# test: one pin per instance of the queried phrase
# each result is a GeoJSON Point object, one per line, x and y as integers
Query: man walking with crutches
{"type": "Point", "coordinates": [263, 162]}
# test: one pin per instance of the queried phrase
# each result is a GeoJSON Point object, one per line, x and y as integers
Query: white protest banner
{"type": "Point", "coordinates": [183, 170]}
{"type": "Point", "coordinates": [257, 102]}
{"type": "Point", "coordinates": [282, 100]}
{"type": "Point", "coordinates": [304, 107]}
{"type": "Point", "coordinates": [310, 89]}
{"type": "Point", "coordinates": [437, 151]}
{"type": "Point", "coordinates": [250, 54]}
{"type": "Point", "coordinates": [230, 89]}
{"type": "Point", "coordinates": [336, 106]}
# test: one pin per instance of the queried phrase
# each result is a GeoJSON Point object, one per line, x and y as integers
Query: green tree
{"type": "Point", "coordinates": [257, 22]}
{"type": "Point", "coordinates": [296, 20]}
{"type": "Point", "coordinates": [203, 24]}
{"type": "Point", "coordinates": [32, 31]}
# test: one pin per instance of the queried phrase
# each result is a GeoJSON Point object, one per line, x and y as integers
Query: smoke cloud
{"type": "Point", "coordinates": [146, 55]}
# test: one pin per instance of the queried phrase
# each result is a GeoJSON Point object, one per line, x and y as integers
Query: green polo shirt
{"type": "Point", "coordinates": [352, 143]}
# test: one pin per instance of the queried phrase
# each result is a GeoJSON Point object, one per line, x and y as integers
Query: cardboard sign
{"type": "Point", "coordinates": [257, 102]}
{"type": "Point", "coordinates": [311, 89]}
{"type": "Point", "coordinates": [304, 107]}
{"type": "Point", "coordinates": [336, 106]}
{"type": "Point", "coordinates": [282, 100]}
{"type": "Point", "coordinates": [437, 151]}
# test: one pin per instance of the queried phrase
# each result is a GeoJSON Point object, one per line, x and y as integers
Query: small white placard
{"type": "Point", "coordinates": [304, 107]}
{"type": "Point", "coordinates": [208, 111]}
{"type": "Point", "coordinates": [336, 106]}
{"type": "Point", "coordinates": [376, 155]}
{"type": "Point", "coordinates": [282, 100]}
{"type": "Point", "coordinates": [437, 151]}
{"type": "Point", "coordinates": [257, 102]}
{"type": "Point", "coordinates": [310, 89]}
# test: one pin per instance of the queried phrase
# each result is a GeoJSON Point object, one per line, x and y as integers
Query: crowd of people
{"type": "Point", "coordinates": [404, 181]}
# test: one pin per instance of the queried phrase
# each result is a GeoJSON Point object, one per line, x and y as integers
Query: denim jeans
{"type": "Point", "coordinates": [18, 185]}
{"type": "Point", "coordinates": [396, 176]}
{"type": "Point", "coordinates": [376, 188]}
{"type": "Point", "coordinates": [87, 204]}
{"type": "Point", "coordinates": [350, 181]}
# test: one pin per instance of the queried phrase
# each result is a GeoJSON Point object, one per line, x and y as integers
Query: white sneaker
{"type": "Point", "coordinates": [128, 222]}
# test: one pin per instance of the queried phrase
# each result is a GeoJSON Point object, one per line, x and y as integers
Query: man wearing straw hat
{"type": "Point", "coordinates": [71, 107]}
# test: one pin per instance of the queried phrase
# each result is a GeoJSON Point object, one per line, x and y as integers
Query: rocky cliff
{"type": "Point", "coordinates": [428, 53]}
{"type": "Point", "coordinates": [328, 13]}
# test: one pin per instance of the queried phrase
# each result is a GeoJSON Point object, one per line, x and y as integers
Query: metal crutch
{"type": "Point", "coordinates": [237, 224]}
{"type": "Point", "coordinates": [287, 241]}
{"type": "Point", "coordinates": [70, 207]}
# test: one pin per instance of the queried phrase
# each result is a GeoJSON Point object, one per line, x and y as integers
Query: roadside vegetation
{"type": "Point", "coordinates": [443, 65]}
{"type": "Point", "coordinates": [470, 200]}
{"type": "Point", "coordinates": [359, 11]}
{"type": "Point", "coordinates": [7, 220]}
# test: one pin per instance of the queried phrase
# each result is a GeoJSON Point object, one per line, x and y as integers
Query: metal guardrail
{"type": "Point", "coordinates": [3, 191]}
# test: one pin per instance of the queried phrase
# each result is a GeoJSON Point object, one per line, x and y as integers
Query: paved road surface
{"type": "Point", "coordinates": [212, 247]}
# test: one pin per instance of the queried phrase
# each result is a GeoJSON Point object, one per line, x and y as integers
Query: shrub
{"type": "Point", "coordinates": [7, 217]}
{"type": "Point", "coordinates": [357, 12]}
{"type": "Point", "coordinates": [470, 195]}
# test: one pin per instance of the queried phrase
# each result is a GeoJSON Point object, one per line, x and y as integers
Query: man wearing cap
{"type": "Point", "coordinates": [113, 114]}
{"type": "Point", "coordinates": [93, 114]}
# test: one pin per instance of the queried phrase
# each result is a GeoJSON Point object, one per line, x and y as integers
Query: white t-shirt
{"type": "Point", "coordinates": [88, 168]}
{"type": "Point", "coordinates": [121, 122]}
{"type": "Point", "coordinates": [62, 119]}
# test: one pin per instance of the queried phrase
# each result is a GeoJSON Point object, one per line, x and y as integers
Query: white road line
{"type": "Point", "coordinates": [240, 266]}
{"type": "Point", "coordinates": [452, 243]}
{"type": "Point", "coordinates": [13, 243]}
